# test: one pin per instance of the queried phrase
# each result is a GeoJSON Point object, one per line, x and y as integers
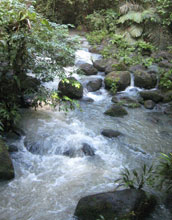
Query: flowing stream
{"type": "Point", "coordinates": [48, 185]}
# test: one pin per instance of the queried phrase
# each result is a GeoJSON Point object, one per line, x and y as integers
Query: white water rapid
{"type": "Point", "coordinates": [47, 184]}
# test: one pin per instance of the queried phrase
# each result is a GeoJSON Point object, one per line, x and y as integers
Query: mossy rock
{"type": "Point", "coordinates": [128, 204]}
{"type": "Point", "coordinates": [155, 96]}
{"type": "Point", "coordinates": [120, 78]}
{"type": "Point", "coordinates": [115, 66]}
{"type": "Point", "coordinates": [126, 102]}
{"type": "Point", "coordinates": [71, 88]}
{"type": "Point", "coordinates": [116, 111]}
{"type": "Point", "coordinates": [6, 166]}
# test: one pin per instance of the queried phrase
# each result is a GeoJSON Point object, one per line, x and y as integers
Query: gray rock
{"type": "Point", "coordinates": [71, 87]}
{"type": "Point", "coordinates": [115, 205]}
{"type": "Point", "coordinates": [100, 65]}
{"type": "Point", "coordinates": [70, 153]}
{"type": "Point", "coordinates": [88, 69]}
{"type": "Point", "coordinates": [149, 104]}
{"type": "Point", "coordinates": [144, 79]}
{"type": "Point", "coordinates": [165, 64]}
{"type": "Point", "coordinates": [116, 111]}
{"type": "Point", "coordinates": [87, 149]}
{"type": "Point", "coordinates": [110, 133]}
{"type": "Point", "coordinates": [6, 166]}
{"type": "Point", "coordinates": [94, 85]}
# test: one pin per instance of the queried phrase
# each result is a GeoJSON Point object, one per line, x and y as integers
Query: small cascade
{"type": "Point", "coordinates": [132, 90]}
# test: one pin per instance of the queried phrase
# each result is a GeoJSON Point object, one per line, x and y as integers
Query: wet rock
{"type": "Point", "coordinates": [128, 102]}
{"type": "Point", "coordinates": [167, 96]}
{"type": "Point", "coordinates": [115, 205]}
{"type": "Point", "coordinates": [114, 65]}
{"type": "Point", "coordinates": [87, 149]}
{"type": "Point", "coordinates": [168, 110]}
{"type": "Point", "coordinates": [87, 99]}
{"type": "Point", "coordinates": [149, 104]}
{"type": "Point", "coordinates": [6, 166]}
{"type": "Point", "coordinates": [71, 87]}
{"type": "Point", "coordinates": [120, 78]}
{"type": "Point", "coordinates": [88, 69]}
{"type": "Point", "coordinates": [12, 148]}
{"type": "Point", "coordinates": [165, 64]}
{"type": "Point", "coordinates": [116, 111]}
{"type": "Point", "coordinates": [100, 65]}
{"type": "Point", "coordinates": [110, 133]}
{"type": "Point", "coordinates": [114, 99]}
{"type": "Point", "coordinates": [12, 136]}
{"type": "Point", "coordinates": [144, 79]}
{"type": "Point", "coordinates": [155, 96]}
{"type": "Point", "coordinates": [70, 153]}
{"type": "Point", "coordinates": [94, 85]}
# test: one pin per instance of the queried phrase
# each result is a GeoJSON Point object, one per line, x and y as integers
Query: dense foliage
{"type": "Point", "coordinates": [28, 43]}
{"type": "Point", "coordinates": [71, 11]}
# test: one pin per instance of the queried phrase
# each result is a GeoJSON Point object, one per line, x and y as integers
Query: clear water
{"type": "Point", "coordinates": [48, 185]}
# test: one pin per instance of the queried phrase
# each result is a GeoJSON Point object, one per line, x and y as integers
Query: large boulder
{"type": "Point", "coordinates": [155, 95]}
{"type": "Point", "coordinates": [88, 69]}
{"type": "Point", "coordinates": [94, 85]}
{"type": "Point", "coordinates": [120, 78]}
{"type": "Point", "coordinates": [116, 111]}
{"type": "Point", "coordinates": [144, 79]}
{"type": "Point", "coordinates": [128, 204]}
{"type": "Point", "coordinates": [71, 87]}
{"type": "Point", "coordinates": [6, 166]}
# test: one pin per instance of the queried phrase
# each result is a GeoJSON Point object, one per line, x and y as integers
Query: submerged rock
{"type": "Point", "coordinates": [155, 96]}
{"type": "Point", "coordinates": [87, 149]}
{"type": "Point", "coordinates": [116, 111]}
{"type": "Point", "coordinates": [71, 87]}
{"type": "Point", "coordinates": [120, 78]}
{"type": "Point", "coordinates": [110, 133]}
{"type": "Point", "coordinates": [94, 85]}
{"type": "Point", "coordinates": [125, 204]}
{"type": "Point", "coordinates": [6, 166]}
{"type": "Point", "coordinates": [149, 104]}
{"type": "Point", "coordinates": [127, 102]}
{"type": "Point", "coordinates": [88, 69]}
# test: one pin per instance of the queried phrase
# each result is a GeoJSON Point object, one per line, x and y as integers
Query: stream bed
{"type": "Point", "coordinates": [47, 184]}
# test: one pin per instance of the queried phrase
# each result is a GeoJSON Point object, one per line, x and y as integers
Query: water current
{"type": "Point", "coordinates": [47, 184]}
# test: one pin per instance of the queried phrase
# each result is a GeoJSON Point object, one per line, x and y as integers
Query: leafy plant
{"type": "Point", "coordinates": [136, 179]}
{"type": "Point", "coordinates": [166, 79]}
